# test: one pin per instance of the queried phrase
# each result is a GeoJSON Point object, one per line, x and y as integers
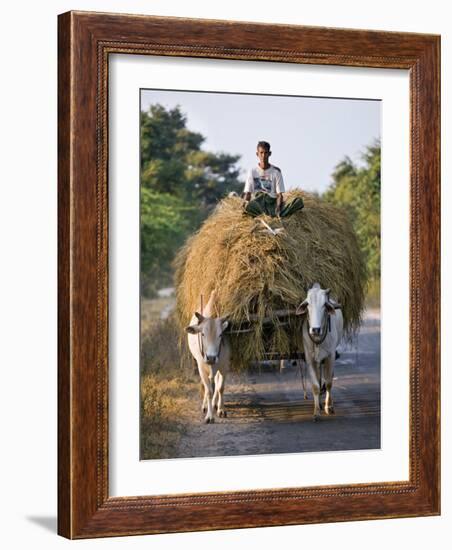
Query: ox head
{"type": "Point", "coordinates": [210, 331]}
{"type": "Point", "coordinates": [317, 306]}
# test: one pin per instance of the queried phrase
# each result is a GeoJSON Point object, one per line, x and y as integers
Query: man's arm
{"type": "Point", "coordinates": [279, 192]}
{"type": "Point", "coordinates": [249, 186]}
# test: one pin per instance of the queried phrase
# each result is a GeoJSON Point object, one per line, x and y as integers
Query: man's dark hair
{"type": "Point", "coordinates": [263, 145]}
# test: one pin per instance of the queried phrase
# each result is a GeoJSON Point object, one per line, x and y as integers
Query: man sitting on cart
{"type": "Point", "coordinates": [264, 188]}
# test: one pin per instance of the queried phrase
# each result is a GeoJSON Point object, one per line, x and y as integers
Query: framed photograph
{"type": "Point", "coordinates": [248, 275]}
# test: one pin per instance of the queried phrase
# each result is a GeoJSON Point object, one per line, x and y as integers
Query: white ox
{"type": "Point", "coordinates": [322, 332]}
{"type": "Point", "coordinates": [212, 353]}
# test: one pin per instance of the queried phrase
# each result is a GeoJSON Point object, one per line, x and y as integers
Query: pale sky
{"type": "Point", "coordinates": [308, 136]}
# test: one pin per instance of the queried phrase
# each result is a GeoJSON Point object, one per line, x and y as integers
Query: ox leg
{"type": "Point", "coordinates": [216, 392]}
{"type": "Point", "coordinates": [205, 395]}
{"type": "Point", "coordinates": [314, 375]}
{"type": "Point", "coordinates": [219, 390]}
{"type": "Point", "coordinates": [302, 366]}
{"type": "Point", "coordinates": [204, 400]}
{"type": "Point", "coordinates": [204, 373]}
{"type": "Point", "coordinates": [328, 374]}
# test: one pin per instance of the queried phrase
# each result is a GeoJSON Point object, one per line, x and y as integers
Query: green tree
{"type": "Point", "coordinates": [180, 184]}
{"type": "Point", "coordinates": [357, 188]}
{"type": "Point", "coordinates": [164, 226]}
{"type": "Point", "coordinates": [172, 160]}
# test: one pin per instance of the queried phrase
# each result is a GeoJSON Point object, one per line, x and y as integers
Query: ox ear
{"type": "Point", "coordinates": [199, 317]}
{"type": "Point", "coordinates": [224, 325]}
{"type": "Point", "coordinates": [193, 329]}
{"type": "Point", "coordinates": [302, 308]}
{"type": "Point", "coordinates": [330, 308]}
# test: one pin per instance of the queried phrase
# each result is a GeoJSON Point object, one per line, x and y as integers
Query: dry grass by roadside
{"type": "Point", "coordinates": [168, 389]}
{"type": "Point", "coordinates": [151, 309]}
{"type": "Point", "coordinates": [166, 406]}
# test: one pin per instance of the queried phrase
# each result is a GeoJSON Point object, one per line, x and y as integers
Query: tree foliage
{"type": "Point", "coordinates": [172, 160]}
{"type": "Point", "coordinates": [180, 184]}
{"type": "Point", "coordinates": [357, 188]}
{"type": "Point", "coordinates": [164, 225]}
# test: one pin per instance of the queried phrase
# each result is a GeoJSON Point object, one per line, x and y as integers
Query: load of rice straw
{"type": "Point", "coordinates": [255, 272]}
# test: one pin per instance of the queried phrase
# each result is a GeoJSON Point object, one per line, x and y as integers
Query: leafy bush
{"type": "Point", "coordinates": [357, 188]}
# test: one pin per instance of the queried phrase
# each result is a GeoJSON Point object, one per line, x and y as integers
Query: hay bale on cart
{"type": "Point", "coordinates": [261, 275]}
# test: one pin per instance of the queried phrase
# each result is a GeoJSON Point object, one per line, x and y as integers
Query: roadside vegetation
{"type": "Point", "coordinates": [357, 189]}
{"type": "Point", "coordinates": [181, 183]}
{"type": "Point", "coordinates": [168, 388]}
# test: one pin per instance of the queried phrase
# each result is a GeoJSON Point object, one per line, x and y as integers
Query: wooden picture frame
{"type": "Point", "coordinates": [85, 42]}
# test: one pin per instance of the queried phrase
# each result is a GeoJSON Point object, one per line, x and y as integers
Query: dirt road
{"type": "Point", "coordinates": [267, 412]}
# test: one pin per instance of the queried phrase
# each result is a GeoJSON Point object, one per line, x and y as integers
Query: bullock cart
{"type": "Point", "coordinates": [260, 269]}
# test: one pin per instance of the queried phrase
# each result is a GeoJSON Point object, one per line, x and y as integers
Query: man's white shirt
{"type": "Point", "coordinates": [268, 181]}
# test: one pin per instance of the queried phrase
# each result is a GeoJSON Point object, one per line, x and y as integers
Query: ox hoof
{"type": "Point", "coordinates": [316, 418]}
{"type": "Point", "coordinates": [330, 411]}
{"type": "Point", "coordinates": [209, 420]}
{"type": "Point", "coordinates": [222, 413]}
